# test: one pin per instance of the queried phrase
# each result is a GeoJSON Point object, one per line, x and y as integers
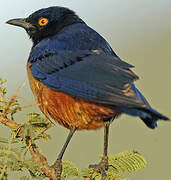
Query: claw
{"type": "Point", "coordinates": [102, 167]}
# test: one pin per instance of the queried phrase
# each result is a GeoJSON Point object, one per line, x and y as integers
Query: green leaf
{"type": "Point", "coordinates": [39, 123]}
{"type": "Point", "coordinates": [3, 140]}
{"type": "Point", "coordinates": [126, 161]}
{"type": "Point", "coordinates": [14, 151]}
{"type": "Point", "coordinates": [118, 164]}
{"type": "Point", "coordinates": [27, 131]}
{"type": "Point", "coordinates": [25, 178]}
{"type": "Point", "coordinates": [2, 81]}
{"type": "Point", "coordinates": [43, 136]}
{"type": "Point", "coordinates": [69, 169]}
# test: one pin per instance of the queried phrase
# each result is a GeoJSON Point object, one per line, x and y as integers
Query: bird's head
{"type": "Point", "coordinates": [46, 22]}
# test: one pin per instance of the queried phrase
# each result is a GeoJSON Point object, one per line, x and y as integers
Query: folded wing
{"type": "Point", "coordinates": [90, 75]}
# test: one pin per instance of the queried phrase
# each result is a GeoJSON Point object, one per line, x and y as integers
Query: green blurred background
{"type": "Point", "coordinates": [140, 33]}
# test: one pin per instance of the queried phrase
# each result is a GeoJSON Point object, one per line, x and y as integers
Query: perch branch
{"type": "Point", "coordinates": [37, 156]}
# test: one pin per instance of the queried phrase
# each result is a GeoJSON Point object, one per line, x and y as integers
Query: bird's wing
{"type": "Point", "coordinates": [90, 75]}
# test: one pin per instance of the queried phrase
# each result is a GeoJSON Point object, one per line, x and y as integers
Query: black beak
{"type": "Point", "coordinates": [21, 22]}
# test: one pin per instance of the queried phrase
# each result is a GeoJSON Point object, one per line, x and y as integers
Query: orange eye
{"type": "Point", "coordinates": [43, 21]}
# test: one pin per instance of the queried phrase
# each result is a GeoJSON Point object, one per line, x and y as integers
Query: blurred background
{"type": "Point", "coordinates": [140, 33]}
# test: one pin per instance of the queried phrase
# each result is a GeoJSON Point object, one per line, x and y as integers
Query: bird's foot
{"type": "Point", "coordinates": [101, 168]}
{"type": "Point", "coordinates": [58, 168]}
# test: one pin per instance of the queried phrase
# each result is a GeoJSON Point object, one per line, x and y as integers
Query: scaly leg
{"type": "Point", "coordinates": [58, 163]}
{"type": "Point", "coordinates": [103, 165]}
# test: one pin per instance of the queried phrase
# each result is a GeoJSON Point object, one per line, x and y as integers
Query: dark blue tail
{"type": "Point", "coordinates": [148, 115]}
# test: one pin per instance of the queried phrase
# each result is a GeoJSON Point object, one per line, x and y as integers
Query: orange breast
{"type": "Point", "coordinates": [67, 110]}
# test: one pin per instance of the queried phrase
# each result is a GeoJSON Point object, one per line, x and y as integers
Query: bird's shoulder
{"type": "Point", "coordinates": [71, 38]}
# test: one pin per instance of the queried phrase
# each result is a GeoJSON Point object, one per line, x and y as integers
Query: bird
{"type": "Point", "coordinates": [77, 78]}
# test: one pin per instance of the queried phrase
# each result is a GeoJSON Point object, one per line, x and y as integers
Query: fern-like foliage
{"type": "Point", "coordinates": [35, 127]}
{"type": "Point", "coordinates": [69, 170]}
{"type": "Point", "coordinates": [14, 154]}
{"type": "Point", "coordinates": [126, 161]}
{"type": "Point", "coordinates": [13, 159]}
{"type": "Point", "coordinates": [118, 165]}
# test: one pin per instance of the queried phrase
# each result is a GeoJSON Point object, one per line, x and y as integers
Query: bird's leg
{"type": "Point", "coordinates": [58, 163]}
{"type": "Point", "coordinates": [103, 165]}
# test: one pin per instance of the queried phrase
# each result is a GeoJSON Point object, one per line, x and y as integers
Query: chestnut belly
{"type": "Point", "coordinates": [67, 110]}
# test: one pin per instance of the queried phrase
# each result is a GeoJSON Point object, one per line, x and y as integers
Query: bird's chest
{"type": "Point", "coordinates": [67, 110]}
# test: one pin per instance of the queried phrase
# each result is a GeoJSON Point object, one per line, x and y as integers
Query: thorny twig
{"type": "Point", "coordinates": [35, 152]}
